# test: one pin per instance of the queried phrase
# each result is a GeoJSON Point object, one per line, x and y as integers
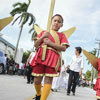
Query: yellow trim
{"type": "Point", "coordinates": [52, 49]}
{"type": "Point", "coordinates": [52, 75]}
{"type": "Point", "coordinates": [98, 97]}
{"type": "Point", "coordinates": [34, 74]}
{"type": "Point", "coordinates": [49, 75]}
{"type": "Point", "coordinates": [55, 36]}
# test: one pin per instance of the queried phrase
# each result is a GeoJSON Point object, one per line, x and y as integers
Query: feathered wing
{"type": "Point", "coordinates": [69, 32]}
{"type": "Point", "coordinates": [4, 22]}
{"type": "Point", "coordinates": [37, 29]}
{"type": "Point", "coordinates": [92, 59]}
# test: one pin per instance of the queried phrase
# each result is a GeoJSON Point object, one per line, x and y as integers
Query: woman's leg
{"type": "Point", "coordinates": [37, 85]}
{"type": "Point", "coordinates": [46, 88]}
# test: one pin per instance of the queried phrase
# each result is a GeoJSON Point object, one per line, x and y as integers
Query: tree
{"type": "Point", "coordinates": [22, 8]}
{"type": "Point", "coordinates": [25, 56]}
{"type": "Point", "coordinates": [88, 75]}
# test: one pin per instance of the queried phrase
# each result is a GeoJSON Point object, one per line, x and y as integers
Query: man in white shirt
{"type": "Point", "coordinates": [76, 67]}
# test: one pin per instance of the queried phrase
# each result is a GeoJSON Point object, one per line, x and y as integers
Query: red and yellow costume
{"type": "Point", "coordinates": [52, 63]}
{"type": "Point", "coordinates": [97, 85]}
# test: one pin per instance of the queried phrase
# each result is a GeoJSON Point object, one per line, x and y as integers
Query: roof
{"type": "Point", "coordinates": [7, 43]}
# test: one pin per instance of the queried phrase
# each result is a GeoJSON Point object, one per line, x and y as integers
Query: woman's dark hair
{"type": "Point", "coordinates": [79, 49]}
{"type": "Point", "coordinates": [59, 16]}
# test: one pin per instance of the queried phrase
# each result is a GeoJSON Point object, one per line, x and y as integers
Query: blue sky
{"type": "Point", "coordinates": [84, 14]}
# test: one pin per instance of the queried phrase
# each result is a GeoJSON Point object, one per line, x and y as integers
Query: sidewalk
{"type": "Point", "coordinates": [15, 88]}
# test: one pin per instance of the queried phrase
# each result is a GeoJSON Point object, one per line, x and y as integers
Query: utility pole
{"type": "Point", "coordinates": [98, 49]}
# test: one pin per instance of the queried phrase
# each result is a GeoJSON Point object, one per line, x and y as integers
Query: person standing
{"type": "Point", "coordinates": [76, 67]}
{"type": "Point", "coordinates": [62, 80]}
{"type": "Point", "coordinates": [29, 69]}
{"type": "Point", "coordinates": [50, 66]}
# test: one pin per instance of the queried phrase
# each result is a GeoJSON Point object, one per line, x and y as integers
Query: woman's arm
{"type": "Point", "coordinates": [40, 40]}
{"type": "Point", "coordinates": [58, 47]}
{"type": "Point", "coordinates": [55, 46]}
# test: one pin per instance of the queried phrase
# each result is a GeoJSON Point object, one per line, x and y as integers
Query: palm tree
{"type": "Point", "coordinates": [21, 8]}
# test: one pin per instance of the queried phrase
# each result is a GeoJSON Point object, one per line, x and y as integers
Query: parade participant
{"type": "Point", "coordinates": [56, 42]}
{"type": "Point", "coordinates": [29, 69]}
{"type": "Point", "coordinates": [76, 67]}
{"type": "Point", "coordinates": [97, 85]}
{"type": "Point", "coordinates": [96, 64]}
{"type": "Point", "coordinates": [61, 81]}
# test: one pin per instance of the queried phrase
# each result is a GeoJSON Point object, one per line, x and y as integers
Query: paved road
{"type": "Point", "coordinates": [15, 88]}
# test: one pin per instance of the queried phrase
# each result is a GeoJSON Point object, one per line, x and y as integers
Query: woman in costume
{"type": "Point", "coordinates": [97, 85]}
{"type": "Point", "coordinates": [56, 42]}
{"type": "Point", "coordinates": [96, 64]}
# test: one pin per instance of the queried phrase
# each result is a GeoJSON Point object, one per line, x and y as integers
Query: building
{"type": "Point", "coordinates": [6, 47]}
{"type": "Point", "coordinates": [9, 49]}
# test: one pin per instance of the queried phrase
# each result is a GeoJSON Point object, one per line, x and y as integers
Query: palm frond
{"type": "Point", "coordinates": [29, 1]}
{"type": "Point", "coordinates": [15, 11]}
{"type": "Point", "coordinates": [17, 4]}
{"type": "Point", "coordinates": [26, 17]}
{"type": "Point", "coordinates": [30, 31]}
{"type": "Point", "coordinates": [24, 7]}
{"type": "Point", "coordinates": [32, 19]}
{"type": "Point", "coordinates": [16, 20]}
{"type": "Point", "coordinates": [20, 19]}
{"type": "Point", "coordinates": [34, 35]}
{"type": "Point", "coordinates": [19, 8]}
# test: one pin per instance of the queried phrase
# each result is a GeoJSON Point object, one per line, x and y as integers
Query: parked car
{"type": "Point", "coordinates": [2, 63]}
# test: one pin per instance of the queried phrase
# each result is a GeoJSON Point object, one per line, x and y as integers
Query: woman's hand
{"type": "Point", "coordinates": [47, 41]}
{"type": "Point", "coordinates": [40, 40]}
{"type": "Point", "coordinates": [80, 73]}
{"type": "Point", "coordinates": [45, 35]}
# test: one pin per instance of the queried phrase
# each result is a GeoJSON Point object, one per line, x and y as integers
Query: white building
{"type": "Point", "coordinates": [6, 47]}
{"type": "Point", "coordinates": [9, 49]}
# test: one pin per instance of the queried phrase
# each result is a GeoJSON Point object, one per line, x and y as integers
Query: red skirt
{"type": "Point", "coordinates": [50, 60]}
